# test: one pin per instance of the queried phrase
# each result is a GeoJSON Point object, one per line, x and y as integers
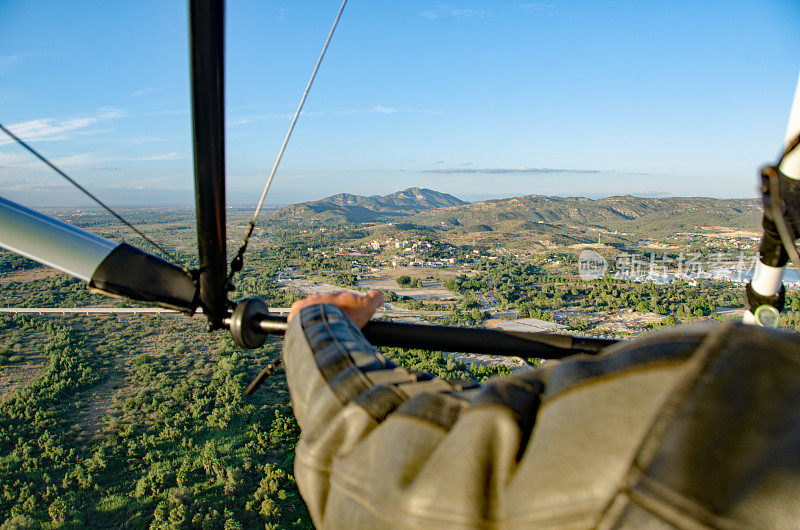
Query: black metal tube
{"type": "Point", "coordinates": [480, 340]}
{"type": "Point", "coordinates": [466, 340]}
{"type": "Point", "coordinates": [206, 29]}
{"type": "Point", "coordinates": [771, 250]}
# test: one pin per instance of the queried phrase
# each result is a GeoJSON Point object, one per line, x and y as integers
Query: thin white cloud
{"type": "Point", "coordinates": [501, 170]}
{"type": "Point", "coordinates": [526, 170]}
{"type": "Point", "coordinates": [151, 158]}
{"type": "Point", "coordinates": [38, 186]}
{"type": "Point", "coordinates": [10, 94]}
{"type": "Point", "coordinates": [12, 160]}
{"type": "Point", "coordinates": [169, 182]}
{"type": "Point", "coordinates": [147, 139]}
{"type": "Point", "coordinates": [375, 109]}
{"type": "Point", "coordinates": [54, 129]}
{"type": "Point", "coordinates": [80, 159]}
{"type": "Point", "coordinates": [147, 91]}
{"type": "Point", "coordinates": [256, 106]}
{"type": "Point", "coordinates": [240, 121]}
{"type": "Point", "coordinates": [172, 112]}
{"type": "Point", "coordinates": [9, 62]}
{"type": "Point", "coordinates": [452, 11]}
{"type": "Point", "coordinates": [537, 7]}
{"type": "Point", "coordinates": [98, 161]}
{"type": "Point", "coordinates": [380, 109]}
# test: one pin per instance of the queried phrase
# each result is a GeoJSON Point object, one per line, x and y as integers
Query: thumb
{"type": "Point", "coordinates": [375, 299]}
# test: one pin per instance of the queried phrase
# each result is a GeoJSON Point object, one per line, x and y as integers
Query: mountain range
{"type": "Point", "coordinates": [429, 209]}
{"type": "Point", "coordinates": [658, 216]}
{"type": "Point", "coordinates": [359, 208]}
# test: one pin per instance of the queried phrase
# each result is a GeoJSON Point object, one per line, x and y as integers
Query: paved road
{"type": "Point", "coordinates": [486, 305]}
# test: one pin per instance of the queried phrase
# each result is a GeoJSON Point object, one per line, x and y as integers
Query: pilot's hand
{"type": "Point", "coordinates": [359, 308]}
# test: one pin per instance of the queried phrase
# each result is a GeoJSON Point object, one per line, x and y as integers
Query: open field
{"type": "Point", "coordinates": [422, 273]}
{"type": "Point", "coordinates": [431, 289]}
{"type": "Point", "coordinates": [29, 274]}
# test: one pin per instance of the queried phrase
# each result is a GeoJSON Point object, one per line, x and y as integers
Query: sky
{"type": "Point", "coordinates": [481, 100]}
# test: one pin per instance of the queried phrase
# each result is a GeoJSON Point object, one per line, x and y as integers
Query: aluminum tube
{"type": "Point", "coordinates": [791, 164]}
{"type": "Point", "coordinates": [767, 280]}
{"type": "Point", "coordinates": [51, 242]}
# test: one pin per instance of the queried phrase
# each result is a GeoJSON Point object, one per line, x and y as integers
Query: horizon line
{"type": "Point", "coordinates": [238, 205]}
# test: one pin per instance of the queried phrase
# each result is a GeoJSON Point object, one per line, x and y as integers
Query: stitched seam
{"type": "Point", "coordinates": [617, 364]}
{"type": "Point", "coordinates": [702, 357]}
{"type": "Point", "coordinates": [464, 410]}
{"type": "Point", "coordinates": [312, 462]}
{"type": "Point", "coordinates": [381, 418]}
{"type": "Point", "coordinates": [399, 393]}
{"type": "Point", "coordinates": [708, 351]}
{"type": "Point", "coordinates": [423, 420]}
{"type": "Point", "coordinates": [345, 354]}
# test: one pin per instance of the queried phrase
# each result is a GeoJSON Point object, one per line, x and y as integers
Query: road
{"type": "Point", "coordinates": [390, 310]}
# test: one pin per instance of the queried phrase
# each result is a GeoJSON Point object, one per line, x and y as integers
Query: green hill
{"type": "Point", "coordinates": [636, 216]}
{"type": "Point", "coordinates": [358, 208]}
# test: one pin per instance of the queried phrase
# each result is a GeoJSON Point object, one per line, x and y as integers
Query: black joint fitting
{"type": "Point", "coordinates": [753, 300]}
{"type": "Point", "coordinates": [243, 329]}
{"type": "Point", "coordinates": [237, 263]}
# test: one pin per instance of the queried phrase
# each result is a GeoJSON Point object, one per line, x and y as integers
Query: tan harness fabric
{"type": "Point", "coordinates": [692, 427]}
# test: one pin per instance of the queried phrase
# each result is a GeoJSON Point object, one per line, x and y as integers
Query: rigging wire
{"type": "Point", "coordinates": [238, 260]}
{"type": "Point", "coordinates": [89, 194]}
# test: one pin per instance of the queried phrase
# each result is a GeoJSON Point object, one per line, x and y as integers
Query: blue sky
{"type": "Point", "coordinates": [478, 99]}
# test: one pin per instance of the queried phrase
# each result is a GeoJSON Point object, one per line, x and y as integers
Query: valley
{"type": "Point", "coordinates": [137, 418]}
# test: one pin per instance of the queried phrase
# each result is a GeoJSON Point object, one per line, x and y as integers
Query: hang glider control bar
{"type": "Point", "coordinates": [251, 323]}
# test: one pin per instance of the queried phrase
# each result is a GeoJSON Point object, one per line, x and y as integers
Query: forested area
{"type": "Point", "coordinates": [14, 262]}
{"type": "Point", "coordinates": [537, 293]}
{"type": "Point", "coordinates": [140, 421]}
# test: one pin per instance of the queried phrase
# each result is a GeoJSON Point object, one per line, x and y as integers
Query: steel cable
{"type": "Point", "coordinates": [238, 260]}
{"type": "Point", "coordinates": [89, 194]}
